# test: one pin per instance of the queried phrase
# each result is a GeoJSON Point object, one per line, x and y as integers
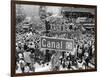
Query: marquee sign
{"type": "Point", "coordinates": [57, 43]}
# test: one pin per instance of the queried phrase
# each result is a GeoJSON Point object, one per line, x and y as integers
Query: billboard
{"type": "Point", "coordinates": [57, 43]}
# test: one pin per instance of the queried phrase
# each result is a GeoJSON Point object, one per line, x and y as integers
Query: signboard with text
{"type": "Point", "coordinates": [57, 43]}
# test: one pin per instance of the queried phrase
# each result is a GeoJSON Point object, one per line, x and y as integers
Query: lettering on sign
{"type": "Point", "coordinates": [57, 43]}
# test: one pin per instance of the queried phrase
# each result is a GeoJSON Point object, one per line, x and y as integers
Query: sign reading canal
{"type": "Point", "coordinates": [57, 43]}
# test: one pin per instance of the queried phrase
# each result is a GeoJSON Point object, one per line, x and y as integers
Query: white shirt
{"type": "Point", "coordinates": [27, 57]}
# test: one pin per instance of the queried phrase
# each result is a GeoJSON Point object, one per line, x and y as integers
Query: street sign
{"type": "Point", "coordinates": [57, 43]}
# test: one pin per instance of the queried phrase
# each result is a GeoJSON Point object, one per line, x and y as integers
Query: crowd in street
{"type": "Point", "coordinates": [30, 57]}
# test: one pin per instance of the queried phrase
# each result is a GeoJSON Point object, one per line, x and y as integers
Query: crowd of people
{"type": "Point", "coordinates": [30, 57]}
